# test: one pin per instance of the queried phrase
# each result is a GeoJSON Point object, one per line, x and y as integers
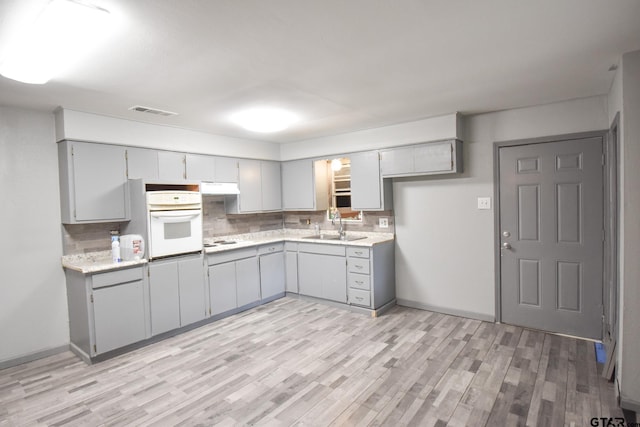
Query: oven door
{"type": "Point", "coordinates": [174, 232]}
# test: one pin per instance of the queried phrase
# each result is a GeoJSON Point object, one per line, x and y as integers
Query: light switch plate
{"type": "Point", "coordinates": [484, 203]}
{"type": "Point", "coordinates": [383, 222]}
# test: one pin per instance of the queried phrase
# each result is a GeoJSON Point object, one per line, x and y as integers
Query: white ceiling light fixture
{"type": "Point", "coordinates": [61, 34]}
{"type": "Point", "coordinates": [336, 165]}
{"type": "Point", "coordinates": [264, 120]}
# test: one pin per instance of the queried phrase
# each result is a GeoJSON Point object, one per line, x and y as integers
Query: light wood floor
{"type": "Point", "coordinates": [293, 362]}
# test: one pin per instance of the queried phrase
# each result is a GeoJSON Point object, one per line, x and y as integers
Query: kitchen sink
{"type": "Point", "coordinates": [334, 237]}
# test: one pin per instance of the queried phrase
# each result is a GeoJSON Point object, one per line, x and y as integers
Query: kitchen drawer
{"type": "Point", "coordinates": [358, 265]}
{"type": "Point", "coordinates": [321, 249]}
{"type": "Point", "coordinates": [290, 246]}
{"type": "Point", "coordinates": [269, 249]}
{"type": "Point", "coordinates": [232, 255]}
{"type": "Point", "coordinates": [358, 252]}
{"type": "Point", "coordinates": [359, 281]}
{"type": "Point", "coordinates": [116, 277]}
{"type": "Point", "coordinates": [359, 297]}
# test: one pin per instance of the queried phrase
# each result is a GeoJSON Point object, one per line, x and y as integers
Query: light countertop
{"type": "Point", "coordinates": [95, 262]}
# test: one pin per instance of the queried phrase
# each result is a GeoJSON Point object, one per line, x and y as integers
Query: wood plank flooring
{"type": "Point", "coordinates": [293, 362]}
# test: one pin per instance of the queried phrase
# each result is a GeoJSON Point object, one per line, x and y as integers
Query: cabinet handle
{"type": "Point", "coordinates": [359, 282]}
{"type": "Point", "coordinates": [359, 266]}
{"type": "Point", "coordinates": [358, 252]}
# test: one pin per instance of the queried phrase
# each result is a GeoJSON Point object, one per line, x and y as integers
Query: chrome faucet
{"type": "Point", "coordinates": [341, 231]}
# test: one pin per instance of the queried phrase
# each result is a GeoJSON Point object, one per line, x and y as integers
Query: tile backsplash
{"type": "Point", "coordinates": [83, 238]}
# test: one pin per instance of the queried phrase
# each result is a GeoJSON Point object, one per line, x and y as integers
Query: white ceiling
{"type": "Point", "coordinates": [341, 65]}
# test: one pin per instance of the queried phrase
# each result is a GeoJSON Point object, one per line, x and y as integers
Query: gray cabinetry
{"type": "Point", "coordinates": [271, 186]}
{"type": "Point", "coordinates": [192, 290]}
{"type": "Point", "coordinates": [222, 287]}
{"type": "Point", "coordinates": [171, 166]}
{"type": "Point", "coordinates": [305, 185]}
{"type": "Point", "coordinates": [234, 280]}
{"type": "Point", "coordinates": [92, 182]}
{"type": "Point", "coordinates": [164, 294]}
{"type": "Point", "coordinates": [272, 271]}
{"type": "Point", "coordinates": [142, 163]}
{"type": "Point", "coordinates": [368, 190]}
{"type": "Point", "coordinates": [200, 167]}
{"type": "Point", "coordinates": [291, 267]}
{"type": "Point", "coordinates": [260, 189]}
{"type": "Point", "coordinates": [177, 293]}
{"type": "Point", "coordinates": [226, 169]}
{"type": "Point", "coordinates": [107, 310]}
{"type": "Point", "coordinates": [371, 275]}
{"type": "Point", "coordinates": [422, 159]}
{"type": "Point", "coordinates": [322, 271]}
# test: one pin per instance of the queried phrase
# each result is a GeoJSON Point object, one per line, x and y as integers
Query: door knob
{"type": "Point", "coordinates": [506, 245]}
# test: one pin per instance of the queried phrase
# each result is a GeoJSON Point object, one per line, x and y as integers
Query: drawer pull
{"type": "Point", "coordinates": [359, 266]}
{"type": "Point", "coordinates": [358, 252]}
{"type": "Point", "coordinates": [359, 299]}
{"type": "Point", "coordinates": [360, 282]}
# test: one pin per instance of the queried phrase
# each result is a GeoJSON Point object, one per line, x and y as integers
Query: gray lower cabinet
{"type": "Point", "coordinates": [107, 310]}
{"type": "Point", "coordinates": [291, 267]}
{"type": "Point", "coordinates": [272, 271]}
{"type": "Point", "coordinates": [234, 279]}
{"type": "Point", "coordinates": [322, 271]}
{"type": "Point", "coordinates": [177, 293]}
{"type": "Point", "coordinates": [93, 181]}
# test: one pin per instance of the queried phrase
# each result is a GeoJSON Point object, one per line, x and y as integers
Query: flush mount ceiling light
{"type": "Point", "coordinates": [264, 120]}
{"type": "Point", "coordinates": [336, 165]}
{"type": "Point", "coordinates": [59, 36]}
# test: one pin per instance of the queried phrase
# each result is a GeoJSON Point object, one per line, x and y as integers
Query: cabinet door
{"type": "Point", "coordinates": [142, 163]}
{"type": "Point", "coordinates": [365, 181]}
{"type": "Point", "coordinates": [310, 271]}
{"type": "Point", "coordinates": [298, 190]}
{"type": "Point", "coordinates": [164, 296]}
{"type": "Point", "coordinates": [192, 291]}
{"type": "Point", "coordinates": [99, 182]}
{"type": "Point", "coordinates": [226, 169]}
{"type": "Point", "coordinates": [436, 157]}
{"type": "Point", "coordinates": [118, 315]}
{"type": "Point", "coordinates": [247, 281]}
{"type": "Point", "coordinates": [250, 183]}
{"type": "Point", "coordinates": [291, 271]}
{"type": "Point", "coordinates": [334, 278]}
{"type": "Point", "coordinates": [396, 161]}
{"type": "Point", "coordinates": [200, 167]}
{"type": "Point", "coordinates": [271, 186]}
{"type": "Point", "coordinates": [222, 287]}
{"type": "Point", "coordinates": [272, 274]}
{"type": "Point", "coordinates": [171, 166]}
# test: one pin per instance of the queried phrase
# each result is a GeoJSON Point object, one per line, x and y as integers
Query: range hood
{"type": "Point", "coordinates": [219, 188]}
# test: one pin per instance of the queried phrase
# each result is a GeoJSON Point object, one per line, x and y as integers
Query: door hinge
{"type": "Point", "coordinates": [72, 150]}
{"type": "Point", "coordinates": [126, 162]}
{"type": "Point", "coordinates": [95, 348]}
{"type": "Point", "coordinates": [209, 312]}
{"type": "Point", "coordinates": [603, 235]}
{"type": "Point", "coordinates": [92, 298]}
{"type": "Point", "coordinates": [604, 159]}
{"type": "Point", "coordinates": [74, 213]}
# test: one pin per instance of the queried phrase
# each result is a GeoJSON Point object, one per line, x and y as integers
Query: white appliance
{"type": "Point", "coordinates": [174, 224]}
{"type": "Point", "coordinates": [131, 247]}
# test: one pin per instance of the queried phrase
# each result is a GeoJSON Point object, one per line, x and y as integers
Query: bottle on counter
{"type": "Point", "coordinates": [115, 249]}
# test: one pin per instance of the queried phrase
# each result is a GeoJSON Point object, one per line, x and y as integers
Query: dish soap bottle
{"type": "Point", "coordinates": [115, 248]}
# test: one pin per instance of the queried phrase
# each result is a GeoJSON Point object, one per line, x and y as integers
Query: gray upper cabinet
{"type": "Point", "coordinates": [271, 186]}
{"type": "Point", "coordinates": [260, 190]}
{"type": "Point", "coordinates": [368, 190]}
{"type": "Point", "coordinates": [142, 163]}
{"type": "Point", "coordinates": [423, 159]}
{"type": "Point", "coordinates": [171, 166]}
{"type": "Point", "coordinates": [92, 182]}
{"type": "Point", "coordinates": [200, 167]}
{"type": "Point", "coordinates": [226, 169]}
{"type": "Point", "coordinates": [304, 186]}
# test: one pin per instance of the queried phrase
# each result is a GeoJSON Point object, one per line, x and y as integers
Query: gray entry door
{"type": "Point", "coordinates": [551, 228]}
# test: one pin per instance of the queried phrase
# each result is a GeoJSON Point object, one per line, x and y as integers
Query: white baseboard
{"type": "Point", "coordinates": [446, 310]}
{"type": "Point", "coordinates": [33, 356]}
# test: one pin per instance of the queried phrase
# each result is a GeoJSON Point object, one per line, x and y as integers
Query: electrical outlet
{"type": "Point", "coordinates": [383, 222]}
{"type": "Point", "coordinates": [484, 203]}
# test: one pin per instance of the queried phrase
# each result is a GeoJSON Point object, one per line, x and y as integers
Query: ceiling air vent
{"type": "Point", "coordinates": [155, 111]}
